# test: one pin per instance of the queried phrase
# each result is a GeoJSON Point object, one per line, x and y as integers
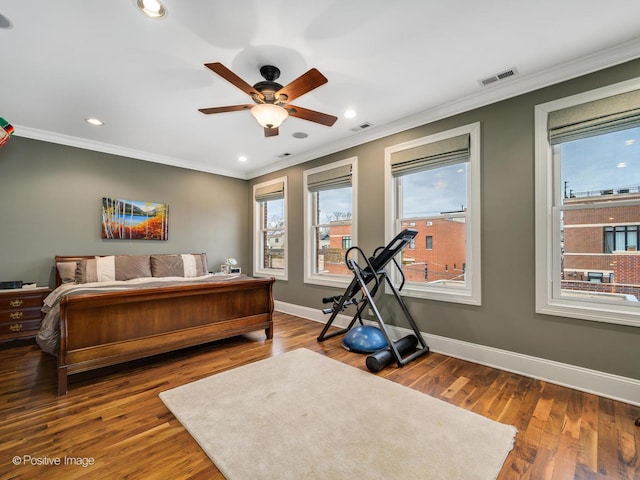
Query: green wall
{"type": "Point", "coordinates": [51, 200]}
{"type": "Point", "coordinates": [507, 318]}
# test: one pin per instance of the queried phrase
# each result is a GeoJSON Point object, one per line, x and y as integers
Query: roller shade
{"type": "Point", "coordinates": [413, 160]}
{"type": "Point", "coordinates": [274, 191]}
{"type": "Point", "coordinates": [605, 115]}
{"type": "Point", "coordinates": [338, 177]}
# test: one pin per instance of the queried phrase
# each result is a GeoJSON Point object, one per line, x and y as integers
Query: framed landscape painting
{"type": "Point", "coordinates": [134, 220]}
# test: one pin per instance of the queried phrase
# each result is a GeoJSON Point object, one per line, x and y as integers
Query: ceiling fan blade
{"type": "Point", "coordinates": [232, 108]}
{"type": "Point", "coordinates": [303, 84]}
{"type": "Point", "coordinates": [311, 115]}
{"type": "Point", "coordinates": [231, 77]}
{"type": "Point", "coordinates": [271, 132]}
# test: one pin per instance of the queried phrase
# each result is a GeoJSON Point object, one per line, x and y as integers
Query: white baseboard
{"type": "Point", "coordinates": [599, 383]}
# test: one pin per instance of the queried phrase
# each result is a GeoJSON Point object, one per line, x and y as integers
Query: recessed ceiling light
{"type": "Point", "coordinates": [300, 135]}
{"type": "Point", "coordinates": [242, 158]}
{"type": "Point", "coordinates": [350, 113]}
{"type": "Point", "coordinates": [94, 121]}
{"type": "Point", "coordinates": [631, 141]}
{"type": "Point", "coordinates": [622, 164]}
{"type": "Point", "coordinates": [151, 8]}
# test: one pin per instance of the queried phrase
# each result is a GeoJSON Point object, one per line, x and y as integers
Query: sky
{"type": "Point", "coordinates": [606, 162]}
{"type": "Point", "coordinates": [275, 212]}
{"type": "Point", "coordinates": [332, 202]}
{"type": "Point", "coordinates": [434, 191]}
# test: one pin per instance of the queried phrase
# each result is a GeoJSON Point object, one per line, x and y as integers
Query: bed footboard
{"type": "Point", "coordinates": [98, 330]}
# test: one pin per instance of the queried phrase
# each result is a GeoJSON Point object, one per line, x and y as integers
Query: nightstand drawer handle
{"type": "Point", "coordinates": [16, 327]}
{"type": "Point", "coordinates": [16, 303]}
{"type": "Point", "coordinates": [16, 315]}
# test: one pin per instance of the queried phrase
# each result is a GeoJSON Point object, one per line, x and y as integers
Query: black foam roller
{"type": "Point", "coordinates": [380, 359]}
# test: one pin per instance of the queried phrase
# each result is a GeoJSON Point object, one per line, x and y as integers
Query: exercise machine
{"type": "Point", "coordinates": [367, 280]}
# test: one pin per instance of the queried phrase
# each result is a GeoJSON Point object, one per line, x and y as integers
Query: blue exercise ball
{"type": "Point", "coordinates": [364, 339]}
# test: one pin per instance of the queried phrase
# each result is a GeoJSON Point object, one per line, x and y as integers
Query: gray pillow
{"type": "Point", "coordinates": [172, 265]}
{"type": "Point", "coordinates": [86, 271]}
{"type": "Point", "coordinates": [132, 266]}
{"type": "Point", "coordinates": [67, 271]}
{"type": "Point", "coordinates": [167, 265]}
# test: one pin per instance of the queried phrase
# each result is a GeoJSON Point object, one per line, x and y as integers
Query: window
{"type": "Point", "coordinates": [621, 238]}
{"type": "Point", "coordinates": [433, 186]}
{"type": "Point", "coordinates": [588, 205]}
{"type": "Point", "coordinates": [270, 229]}
{"type": "Point", "coordinates": [429, 242]}
{"type": "Point", "coordinates": [330, 221]}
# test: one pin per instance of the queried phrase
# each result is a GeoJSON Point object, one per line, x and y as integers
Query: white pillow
{"type": "Point", "coordinates": [189, 263]}
{"type": "Point", "coordinates": [106, 268]}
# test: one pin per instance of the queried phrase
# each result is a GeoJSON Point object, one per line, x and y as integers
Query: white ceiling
{"type": "Point", "coordinates": [397, 63]}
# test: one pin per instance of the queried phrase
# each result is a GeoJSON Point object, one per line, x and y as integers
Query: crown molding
{"type": "Point", "coordinates": [61, 139]}
{"type": "Point", "coordinates": [484, 96]}
{"type": "Point", "coordinates": [493, 93]}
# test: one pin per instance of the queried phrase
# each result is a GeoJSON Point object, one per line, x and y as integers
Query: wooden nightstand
{"type": "Point", "coordinates": [20, 312]}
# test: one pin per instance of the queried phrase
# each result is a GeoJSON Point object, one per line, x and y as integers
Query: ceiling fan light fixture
{"type": "Point", "coordinates": [269, 115]}
{"type": "Point", "coordinates": [151, 8]}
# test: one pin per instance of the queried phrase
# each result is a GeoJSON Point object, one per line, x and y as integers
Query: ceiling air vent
{"type": "Point", "coordinates": [498, 76]}
{"type": "Point", "coordinates": [362, 126]}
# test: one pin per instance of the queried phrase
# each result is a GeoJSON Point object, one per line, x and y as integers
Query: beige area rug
{"type": "Point", "coordinates": [304, 416]}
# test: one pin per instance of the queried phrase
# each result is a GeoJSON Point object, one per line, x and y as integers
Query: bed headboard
{"type": "Point", "coordinates": [163, 264]}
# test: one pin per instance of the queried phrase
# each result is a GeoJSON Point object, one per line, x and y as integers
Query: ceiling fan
{"type": "Point", "coordinates": [272, 99]}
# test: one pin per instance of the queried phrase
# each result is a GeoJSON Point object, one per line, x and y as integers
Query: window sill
{"type": "Point", "coordinates": [597, 312]}
{"type": "Point", "coordinates": [329, 281]}
{"type": "Point", "coordinates": [442, 295]}
{"type": "Point", "coordinates": [277, 274]}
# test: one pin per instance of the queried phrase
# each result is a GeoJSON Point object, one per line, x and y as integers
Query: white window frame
{"type": "Point", "coordinates": [547, 218]}
{"type": "Point", "coordinates": [471, 294]}
{"type": "Point", "coordinates": [309, 249]}
{"type": "Point", "coordinates": [258, 269]}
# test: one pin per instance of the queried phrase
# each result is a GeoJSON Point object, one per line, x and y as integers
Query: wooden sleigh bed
{"type": "Point", "coordinates": [99, 329]}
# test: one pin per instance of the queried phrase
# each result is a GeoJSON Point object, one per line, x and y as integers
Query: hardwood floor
{"type": "Point", "coordinates": [113, 421]}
